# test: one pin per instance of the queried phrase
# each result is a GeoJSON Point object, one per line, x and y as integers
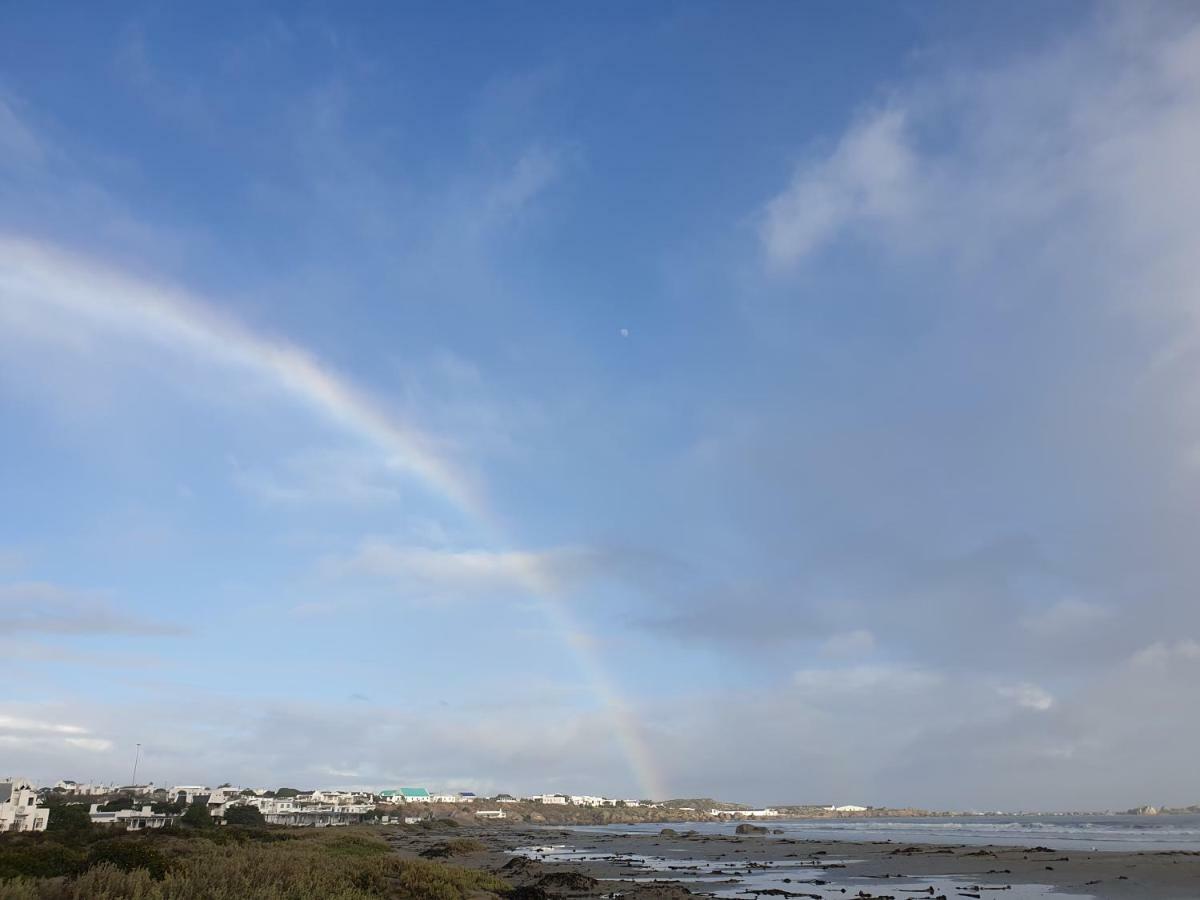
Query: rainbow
{"type": "Point", "coordinates": [36, 278]}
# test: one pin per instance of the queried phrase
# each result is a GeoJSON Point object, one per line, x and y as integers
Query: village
{"type": "Point", "coordinates": [24, 806]}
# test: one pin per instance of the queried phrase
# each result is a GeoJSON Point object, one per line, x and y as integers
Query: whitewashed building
{"type": "Point", "coordinates": [187, 793]}
{"type": "Point", "coordinates": [131, 819]}
{"type": "Point", "coordinates": [19, 810]}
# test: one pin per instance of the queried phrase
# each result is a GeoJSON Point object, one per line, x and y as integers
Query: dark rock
{"type": "Point", "coordinates": [746, 828]}
{"type": "Point", "coordinates": [520, 865]}
{"type": "Point", "coordinates": [527, 892]}
{"type": "Point", "coordinates": [567, 881]}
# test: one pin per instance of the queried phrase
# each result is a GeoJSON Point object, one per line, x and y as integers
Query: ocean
{"type": "Point", "coordinates": [1124, 833]}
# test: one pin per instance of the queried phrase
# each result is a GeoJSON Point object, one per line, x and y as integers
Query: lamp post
{"type": "Point", "coordinates": [136, 756]}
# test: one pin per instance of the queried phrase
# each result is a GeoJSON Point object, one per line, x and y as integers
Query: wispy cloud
{"type": "Point", "coordinates": [467, 573]}
{"type": "Point", "coordinates": [35, 277]}
{"type": "Point", "coordinates": [38, 607]}
{"type": "Point", "coordinates": [868, 177]}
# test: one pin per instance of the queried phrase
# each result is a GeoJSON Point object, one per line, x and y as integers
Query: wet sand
{"type": "Point", "coordinates": [658, 867]}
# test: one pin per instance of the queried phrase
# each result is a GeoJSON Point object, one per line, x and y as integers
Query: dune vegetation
{"type": "Point", "coordinates": [227, 864]}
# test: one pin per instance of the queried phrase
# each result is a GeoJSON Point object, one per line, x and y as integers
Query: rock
{"type": "Point", "coordinates": [567, 881]}
{"type": "Point", "coordinates": [658, 892]}
{"type": "Point", "coordinates": [520, 865]}
{"type": "Point", "coordinates": [527, 892]}
{"type": "Point", "coordinates": [746, 828]}
{"type": "Point", "coordinates": [776, 831]}
{"type": "Point", "coordinates": [669, 832]}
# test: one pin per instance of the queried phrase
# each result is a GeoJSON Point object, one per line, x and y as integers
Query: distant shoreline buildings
{"type": "Point", "coordinates": [22, 809]}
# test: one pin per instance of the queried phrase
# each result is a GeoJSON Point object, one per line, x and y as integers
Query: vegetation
{"type": "Point", "coordinates": [250, 816]}
{"type": "Point", "coordinates": [196, 816]}
{"type": "Point", "coordinates": [229, 863]}
{"type": "Point", "coordinates": [454, 847]}
{"type": "Point", "coordinates": [69, 818]}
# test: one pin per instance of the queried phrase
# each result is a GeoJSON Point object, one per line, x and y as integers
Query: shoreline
{"type": "Point", "coordinates": [590, 864]}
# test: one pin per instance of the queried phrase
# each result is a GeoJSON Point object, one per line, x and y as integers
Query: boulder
{"type": "Point", "coordinates": [746, 828]}
{"type": "Point", "coordinates": [567, 881]}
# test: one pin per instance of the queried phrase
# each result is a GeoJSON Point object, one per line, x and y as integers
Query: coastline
{"type": "Point", "coordinates": [582, 864]}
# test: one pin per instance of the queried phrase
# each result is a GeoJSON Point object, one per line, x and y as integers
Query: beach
{"type": "Point", "coordinates": [549, 863]}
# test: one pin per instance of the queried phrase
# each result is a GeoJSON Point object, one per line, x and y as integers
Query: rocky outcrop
{"type": "Point", "coordinates": [572, 882]}
{"type": "Point", "coordinates": [746, 828]}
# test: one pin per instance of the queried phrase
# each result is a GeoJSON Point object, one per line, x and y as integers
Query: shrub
{"type": "Point", "coordinates": [69, 818]}
{"type": "Point", "coordinates": [127, 855]}
{"type": "Point", "coordinates": [196, 816]}
{"type": "Point", "coordinates": [330, 864]}
{"type": "Point", "coordinates": [454, 847]}
{"type": "Point", "coordinates": [32, 856]}
{"type": "Point", "coordinates": [244, 815]}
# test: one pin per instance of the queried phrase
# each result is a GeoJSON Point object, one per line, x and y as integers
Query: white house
{"type": "Point", "coordinates": [297, 812]}
{"type": "Point", "coordinates": [443, 798]}
{"type": "Point", "coordinates": [591, 801]}
{"type": "Point", "coordinates": [188, 793]}
{"type": "Point", "coordinates": [550, 799]}
{"type": "Point", "coordinates": [18, 807]}
{"type": "Point", "coordinates": [743, 813]}
{"type": "Point", "coordinates": [849, 808]}
{"type": "Point", "coordinates": [132, 819]}
{"type": "Point", "coordinates": [489, 814]}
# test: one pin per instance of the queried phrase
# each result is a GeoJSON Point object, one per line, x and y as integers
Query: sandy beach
{"type": "Point", "coordinates": [549, 863]}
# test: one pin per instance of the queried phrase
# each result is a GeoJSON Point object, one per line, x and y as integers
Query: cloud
{"type": "Point", "coordinates": [20, 734]}
{"type": "Point", "coordinates": [472, 572]}
{"type": "Point", "coordinates": [1065, 618]}
{"type": "Point", "coordinates": [1028, 696]}
{"type": "Point", "coordinates": [868, 177]}
{"type": "Point", "coordinates": [19, 145]}
{"type": "Point", "coordinates": [39, 607]}
{"type": "Point", "coordinates": [858, 642]}
{"type": "Point", "coordinates": [321, 476]}
{"type": "Point", "coordinates": [39, 281]}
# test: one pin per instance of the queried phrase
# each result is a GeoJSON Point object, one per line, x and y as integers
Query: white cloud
{"type": "Point", "coordinates": [1065, 618]}
{"type": "Point", "coordinates": [53, 609]}
{"type": "Point", "coordinates": [869, 176]}
{"type": "Point", "coordinates": [863, 680]}
{"type": "Point", "coordinates": [322, 477]}
{"type": "Point", "coordinates": [1027, 696]}
{"type": "Point", "coordinates": [1163, 653]}
{"type": "Point", "coordinates": [61, 295]}
{"type": "Point", "coordinates": [15, 723]}
{"type": "Point", "coordinates": [859, 642]}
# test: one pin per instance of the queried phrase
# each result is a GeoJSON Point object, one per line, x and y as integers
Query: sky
{"type": "Point", "coordinates": [773, 402]}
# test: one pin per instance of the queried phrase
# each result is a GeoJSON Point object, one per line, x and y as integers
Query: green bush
{"type": "Point", "coordinates": [127, 855]}
{"type": "Point", "coordinates": [196, 816]}
{"type": "Point", "coordinates": [38, 858]}
{"type": "Point", "coordinates": [69, 818]}
{"type": "Point", "coordinates": [245, 815]}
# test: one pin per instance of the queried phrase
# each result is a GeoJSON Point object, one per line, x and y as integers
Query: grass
{"type": "Point", "coordinates": [342, 864]}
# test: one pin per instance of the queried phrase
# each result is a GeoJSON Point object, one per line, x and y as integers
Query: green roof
{"type": "Point", "coordinates": [414, 792]}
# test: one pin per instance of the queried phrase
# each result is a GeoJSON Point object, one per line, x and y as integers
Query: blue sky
{"type": "Point", "coordinates": [785, 402]}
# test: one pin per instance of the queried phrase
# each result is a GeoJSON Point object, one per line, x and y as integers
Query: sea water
{"type": "Point", "coordinates": [1102, 832]}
